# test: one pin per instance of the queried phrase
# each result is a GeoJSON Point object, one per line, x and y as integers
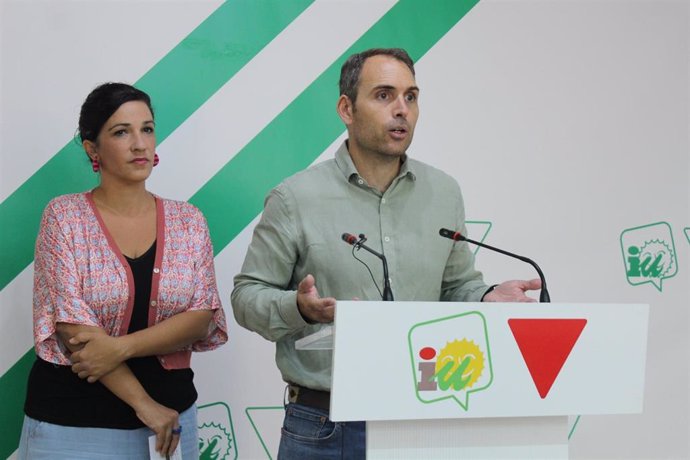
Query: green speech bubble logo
{"type": "Point", "coordinates": [649, 254]}
{"type": "Point", "coordinates": [450, 358]}
{"type": "Point", "coordinates": [216, 433]}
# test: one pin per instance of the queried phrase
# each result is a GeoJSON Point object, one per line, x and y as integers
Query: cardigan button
{"type": "Point", "coordinates": [153, 303]}
{"type": "Point", "coordinates": [156, 270]}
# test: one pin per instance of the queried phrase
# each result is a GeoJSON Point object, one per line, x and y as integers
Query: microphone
{"type": "Point", "coordinates": [457, 236]}
{"type": "Point", "coordinates": [358, 243]}
{"type": "Point", "coordinates": [349, 239]}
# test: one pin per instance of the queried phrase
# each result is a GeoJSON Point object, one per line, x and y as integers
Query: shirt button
{"type": "Point", "coordinates": [153, 303]}
{"type": "Point", "coordinates": [386, 239]}
{"type": "Point", "coordinates": [360, 181]}
{"type": "Point", "coordinates": [383, 201]}
{"type": "Point", "coordinates": [156, 270]}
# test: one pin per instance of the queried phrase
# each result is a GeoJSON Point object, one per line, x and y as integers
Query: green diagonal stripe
{"type": "Point", "coordinates": [179, 84]}
{"type": "Point", "coordinates": [13, 391]}
{"type": "Point", "coordinates": [233, 197]}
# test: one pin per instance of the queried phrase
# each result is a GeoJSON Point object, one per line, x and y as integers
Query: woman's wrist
{"type": "Point", "coordinates": [126, 347]}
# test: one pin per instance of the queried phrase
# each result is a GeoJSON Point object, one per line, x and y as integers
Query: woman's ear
{"type": "Point", "coordinates": [90, 149]}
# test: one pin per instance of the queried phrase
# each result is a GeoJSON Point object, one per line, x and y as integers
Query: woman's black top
{"type": "Point", "coordinates": [57, 395]}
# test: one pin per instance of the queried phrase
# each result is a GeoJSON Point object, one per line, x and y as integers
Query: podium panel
{"type": "Point", "coordinates": [442, 360]}
{"type": "Point", "coordinates": [496, 438]}
{"type": "Point", "coordinates": [483, 381]}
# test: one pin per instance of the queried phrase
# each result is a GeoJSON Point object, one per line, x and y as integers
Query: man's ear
{"type": "Point", "coordinates": [345, 109]}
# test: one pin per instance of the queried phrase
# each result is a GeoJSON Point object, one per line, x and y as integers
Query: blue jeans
{"type": "Point", "coordinates": [43, 440]}
{"type": "Point", "coordinates": [308, 433]}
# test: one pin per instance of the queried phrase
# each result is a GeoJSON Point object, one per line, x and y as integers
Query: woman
{"type": "Point", "coordinates": [124, 290]}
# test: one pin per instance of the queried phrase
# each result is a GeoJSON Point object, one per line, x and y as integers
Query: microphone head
{"type": "Point", "coordinates": [455, 236]}
{"type": "Point", "coordinates": [349, 238]}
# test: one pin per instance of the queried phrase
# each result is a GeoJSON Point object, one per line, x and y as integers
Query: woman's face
{"type": "Point", "coordinates": [126, 144]}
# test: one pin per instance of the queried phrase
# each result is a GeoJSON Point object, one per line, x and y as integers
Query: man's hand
{"type": "Point", "coordinates": [311, 306]}
{"type": "Point", "coordinates": [98, 355]}
{"type": "Point", "coordinates": [513, 291]}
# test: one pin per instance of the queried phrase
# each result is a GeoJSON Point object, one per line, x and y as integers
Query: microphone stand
{"type": "Point", "coordinates": [457, 236]}
{"type": "Point", "coordinates": [359, 244]}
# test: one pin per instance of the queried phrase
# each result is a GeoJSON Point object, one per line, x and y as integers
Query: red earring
{"type": "Point", "coordinates": [156, 159]}
{"type": "Point", "coordinates": [95, 165]}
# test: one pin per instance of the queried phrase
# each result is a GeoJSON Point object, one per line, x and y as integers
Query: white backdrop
{"type": "Point", "coordinates": [565, 122]}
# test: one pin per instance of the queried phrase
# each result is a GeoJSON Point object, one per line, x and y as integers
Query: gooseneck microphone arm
{"type": "Point", "coordinates": [358, 243]}
{"type": "Point", "coordinates": [387, 291]}
{"type": "Point", "coordinates": [457, 236]}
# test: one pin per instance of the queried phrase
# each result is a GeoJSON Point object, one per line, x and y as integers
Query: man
{"type": "Point", "coordinates": [370, 187]}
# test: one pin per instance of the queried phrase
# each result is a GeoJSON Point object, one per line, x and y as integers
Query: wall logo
{"type": "Point", "coordinates": [450, 358]}
{"type": "Point", "coordinates": [649, 254]}
{"type": "Point", "coordinates": [216, 434]}
{"type": "Point", "coordinates": [687, 233]}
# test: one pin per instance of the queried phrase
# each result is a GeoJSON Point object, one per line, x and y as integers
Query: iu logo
{"type": "Point", "coordinates": [448, 366]}
{"type": "Point", "coordinates": [216, 433]}
{"type": "Point", "coordinates": [649, 254]}
{"type": "Point", "coordinates": [457, 366]}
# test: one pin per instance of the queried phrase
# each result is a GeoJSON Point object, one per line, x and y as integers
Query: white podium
{"type": "Point", "coordinates": [448, 380]}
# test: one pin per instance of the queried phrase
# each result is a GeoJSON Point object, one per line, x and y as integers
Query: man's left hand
{"type": "Point", "coordinates": [513, 291]}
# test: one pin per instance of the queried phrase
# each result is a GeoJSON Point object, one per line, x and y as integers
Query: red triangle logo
{"type": "Point", "coordinates": [545, 345]}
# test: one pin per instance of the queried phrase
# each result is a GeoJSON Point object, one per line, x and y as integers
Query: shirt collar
{"type": "Point", "coordinates": [347, 167]}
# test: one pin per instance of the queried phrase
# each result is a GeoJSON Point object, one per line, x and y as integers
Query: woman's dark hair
{"type": "Point", "coordinates": [104, 101]}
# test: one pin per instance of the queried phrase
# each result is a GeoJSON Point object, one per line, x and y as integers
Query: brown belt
{"type": "Point", "coordinates": [308, 397]}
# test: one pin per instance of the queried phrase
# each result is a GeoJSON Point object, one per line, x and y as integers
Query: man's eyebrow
{"type": "Point", "coordinates": [390, 87]}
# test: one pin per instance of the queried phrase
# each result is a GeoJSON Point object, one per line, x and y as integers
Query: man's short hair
{"type": "Point", "coordinates": [352, 68]}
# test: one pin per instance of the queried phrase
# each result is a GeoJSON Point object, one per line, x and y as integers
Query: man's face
{"type": "Point", "coordinates": [383, 118]}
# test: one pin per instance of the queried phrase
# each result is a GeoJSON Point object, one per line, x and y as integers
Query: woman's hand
{"type": "Point", "coordinates": [162, 421]}
{"type": "Point", "coordinates": [98, 355]}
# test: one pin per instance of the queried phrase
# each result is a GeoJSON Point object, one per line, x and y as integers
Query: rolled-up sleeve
{"type": "Point", "coordinates": [57, 296]}
{"type": "Point", "coordinates": [205, 296]}
{"type": "Point", "coordinates": [461, 281]}
{"type": "Point", "coordinates": [262, 300]}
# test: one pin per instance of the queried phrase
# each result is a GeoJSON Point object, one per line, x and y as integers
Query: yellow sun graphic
{"type": "Point", "coordinates": [459, 364]}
